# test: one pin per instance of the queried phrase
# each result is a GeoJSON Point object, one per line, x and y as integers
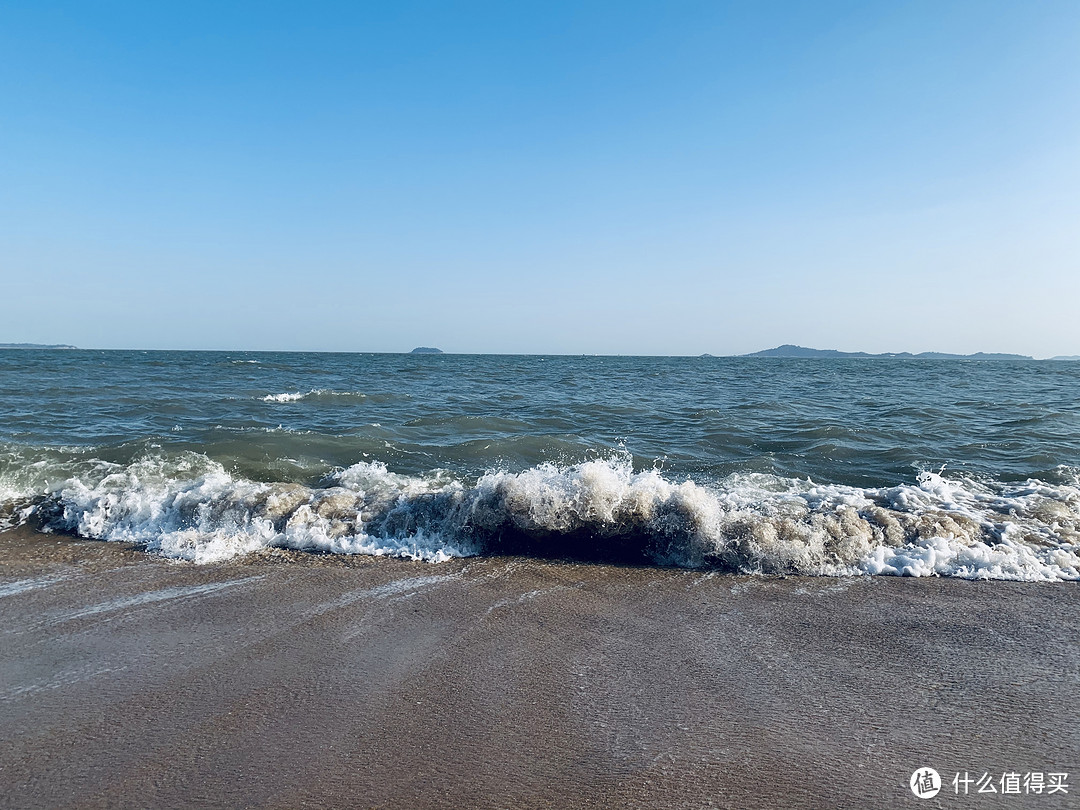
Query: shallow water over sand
{"type": "Point", "coordinates": [285, 679]}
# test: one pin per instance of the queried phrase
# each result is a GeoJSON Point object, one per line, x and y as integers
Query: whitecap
{"type": "Point", "coordinates": [599, 509]}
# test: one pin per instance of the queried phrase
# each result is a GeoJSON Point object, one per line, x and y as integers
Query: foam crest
{"type": "Point", "coordinates": [599, 510]}
{"type": "Point", "coordinates": [286, 397]}
{"type": "Point", "coordinates": [314, 393]}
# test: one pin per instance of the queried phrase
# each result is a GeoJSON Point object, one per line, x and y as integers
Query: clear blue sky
{"type": "Point", "coordinates": [615, 177]}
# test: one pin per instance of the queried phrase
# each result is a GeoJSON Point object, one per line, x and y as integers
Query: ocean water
{"type": "Point", "coordinates": [821, 467]}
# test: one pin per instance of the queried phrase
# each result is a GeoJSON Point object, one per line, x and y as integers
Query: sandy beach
{"type": "Point", "coordinates": [291, 680]}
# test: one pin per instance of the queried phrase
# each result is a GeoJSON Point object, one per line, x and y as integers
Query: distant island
{"type": "Point", "coordinates": [788, 350]}
{"type": "Point", "coordinates": [425, 350]}
{"type": "Point", "coordinates": [1067, 357]}
{"type": "Point", "coordinates": [36, 346]}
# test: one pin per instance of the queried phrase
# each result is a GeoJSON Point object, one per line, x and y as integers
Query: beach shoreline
{"type": "Point", "coordinates": [286, 679]}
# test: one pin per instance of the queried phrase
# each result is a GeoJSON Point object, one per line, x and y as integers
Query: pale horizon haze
{"type": "Point", "coordinates": [599, 178]}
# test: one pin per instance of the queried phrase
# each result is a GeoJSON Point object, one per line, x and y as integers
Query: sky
{"type": "Point", "coordinates": [602, 178]}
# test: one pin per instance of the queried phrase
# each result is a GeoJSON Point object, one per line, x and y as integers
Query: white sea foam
{"type": "Point", "coordinates": [296, 396]}
{"type": "Point", "coordinates": [125, 603]}
{"type": "Point", "coordinates": [599, 509]}
{"type": "Point", "coordinates": [23, 585]}
{"type": "Point", "coordinates": [57, 680]}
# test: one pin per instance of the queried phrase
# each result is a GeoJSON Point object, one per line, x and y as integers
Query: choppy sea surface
{"type": "Point", "coordinates": [961, 468]}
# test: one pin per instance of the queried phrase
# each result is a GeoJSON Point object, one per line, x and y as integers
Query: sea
{"type": "Point", "coordinates": [819, 467]}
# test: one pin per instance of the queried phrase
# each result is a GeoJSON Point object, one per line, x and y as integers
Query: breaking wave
{"type": "Point", "coordinates": [193, 509]}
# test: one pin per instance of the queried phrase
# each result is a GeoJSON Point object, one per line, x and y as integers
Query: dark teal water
{"type": "Point", "coordinates": [858, 422]}
{"type": "Point", "coordinates": [282, 418]}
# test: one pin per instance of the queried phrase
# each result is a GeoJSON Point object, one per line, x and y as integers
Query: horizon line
{"type": "Point", "coordinates": [703, 355]}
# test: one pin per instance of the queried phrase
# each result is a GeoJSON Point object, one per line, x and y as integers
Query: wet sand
{"type": "Point", "coordinates": [289, 680]}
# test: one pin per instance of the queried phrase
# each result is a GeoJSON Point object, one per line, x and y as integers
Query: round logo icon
{"type": "Point", "coordinates": [925, 783]}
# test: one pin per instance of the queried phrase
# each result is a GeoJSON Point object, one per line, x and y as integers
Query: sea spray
{"type": "Point", "coordinates": [600, 509]}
